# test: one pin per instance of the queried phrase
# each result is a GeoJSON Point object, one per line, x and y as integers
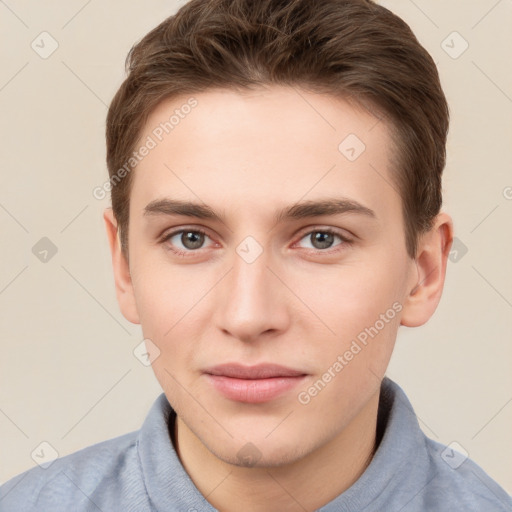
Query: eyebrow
{"type": "Point", "coordinates": [302, 210]}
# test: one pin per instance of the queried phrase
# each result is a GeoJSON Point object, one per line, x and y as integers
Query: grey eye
{"type": "Point", "coordinates": [190, 239]}
{"type": "Point", "coordinates": [321, 239]}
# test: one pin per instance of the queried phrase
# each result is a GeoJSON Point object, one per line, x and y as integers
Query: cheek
{"type": "Point", "coordinates": [167, 294]}
{"type": "Point", "coordinates": [358, 311]}
{"type": "Point", "coordinates": [168, 302]}
{"type": "Point", "coordinates": [349, 297]}
{"type": "Point", "coordinates": [350, 368]}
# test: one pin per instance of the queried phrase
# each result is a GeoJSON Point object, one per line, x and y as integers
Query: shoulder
{"type": "Point", "coordinates": [96, 471]}
{"type": "Point", "coordinates": [458, 483]}
{"type": "Point", "coordinates": [428, 475]}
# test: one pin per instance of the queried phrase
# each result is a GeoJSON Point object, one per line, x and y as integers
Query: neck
{"type": "Point", "coordinates": [306, 484]}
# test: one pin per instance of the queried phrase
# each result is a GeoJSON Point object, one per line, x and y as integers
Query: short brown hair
{"type": "Point", "coordinates": [353, 49]}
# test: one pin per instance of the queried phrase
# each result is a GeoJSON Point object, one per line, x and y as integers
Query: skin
{"type": "Point", "coordinates": [299, 304]}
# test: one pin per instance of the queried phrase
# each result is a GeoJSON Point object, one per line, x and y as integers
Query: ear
{"type": "Point", "coordinates": [123, 281]}
{"type": "Point", "coordinates": [431, 260]}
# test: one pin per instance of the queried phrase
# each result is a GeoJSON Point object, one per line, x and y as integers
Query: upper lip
{"type": "Point", "coordinates": [260, 371]}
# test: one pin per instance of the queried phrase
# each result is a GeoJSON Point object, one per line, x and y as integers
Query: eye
{"type": "Point", "coordinates": [185, 242]}
{"type": "Point", "coordinates": [190, 240]}
{"type": "Point", "coordinates": [322, 239]}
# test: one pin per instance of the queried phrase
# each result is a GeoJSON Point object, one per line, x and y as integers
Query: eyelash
{"type": "Point", "coordinates": [184, 254]}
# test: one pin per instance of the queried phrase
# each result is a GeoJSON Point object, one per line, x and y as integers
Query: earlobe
{"type": "Point", "coordinates": [431, 262]}
{"type": "Point", "coordinates": [122, 278]}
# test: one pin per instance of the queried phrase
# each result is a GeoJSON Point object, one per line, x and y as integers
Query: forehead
{"type": "Point", "coordinates": [274, 145]}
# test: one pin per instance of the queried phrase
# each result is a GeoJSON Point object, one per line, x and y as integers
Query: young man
{"type": "Point", "coordinates": [275, 170]}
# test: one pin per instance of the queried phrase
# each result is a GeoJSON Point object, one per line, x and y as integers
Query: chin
{"type": "Point", "coordinates": [261, 452]}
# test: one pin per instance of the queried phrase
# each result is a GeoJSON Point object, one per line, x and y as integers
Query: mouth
{"type": "Point", "coordinates": [253, 384]}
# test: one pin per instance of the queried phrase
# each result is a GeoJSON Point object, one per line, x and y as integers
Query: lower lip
{"type": "Point", "coordinates": [253, 391]}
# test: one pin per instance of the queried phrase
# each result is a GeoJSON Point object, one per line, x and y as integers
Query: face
{"type": "Point", "coordinates": [297, 258]}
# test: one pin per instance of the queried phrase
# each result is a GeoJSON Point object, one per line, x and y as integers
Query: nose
{"type": "Point", "coordinates": [252, 300]}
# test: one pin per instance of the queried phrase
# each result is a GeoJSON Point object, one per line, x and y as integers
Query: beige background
{"type": "Point", "coordinates": [68, 375]}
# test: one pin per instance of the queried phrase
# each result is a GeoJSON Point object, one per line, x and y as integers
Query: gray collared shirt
{"type": "Point", "coordinates": [141, 472]}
